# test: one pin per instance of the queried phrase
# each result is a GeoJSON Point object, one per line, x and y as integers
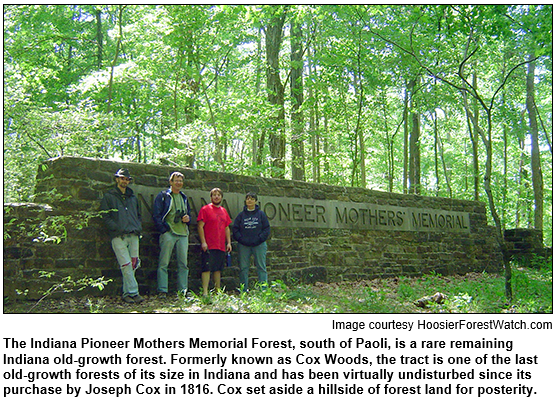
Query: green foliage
{"type": "Point", "coordinates": [96, 306]}
{"type": "Point", "coordinates": [472, 293]}
{"type": "Point", "coordinates": [52, 228]}
{"type": "Point", "coordinates": [484, 293]}
{"type": "Point", "coordinates": [274, 298]}
{"type": "Point", "coordinates": [533, 287]}
{"type": "Point", "coordinates": [187, 84]}
{"type": "Point", "coordinates": [68, 284]}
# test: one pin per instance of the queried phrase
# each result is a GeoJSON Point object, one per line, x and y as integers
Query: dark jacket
{"type": "Point", "coordinates": [161, 207]}
{"type": "Point", "coordinates": [251, 228]}
{"type": "Point", "coordinates": [121, 212]}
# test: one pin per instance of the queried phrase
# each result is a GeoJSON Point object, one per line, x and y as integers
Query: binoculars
{"type": "Point", "coordinates": [179, 215]}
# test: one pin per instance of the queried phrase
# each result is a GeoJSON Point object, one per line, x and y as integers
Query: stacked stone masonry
{"type": "Point", "coordinates": [319, 232]}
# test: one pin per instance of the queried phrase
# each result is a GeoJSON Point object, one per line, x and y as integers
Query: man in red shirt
{"type": "Point", "coordinates": [214, 232]}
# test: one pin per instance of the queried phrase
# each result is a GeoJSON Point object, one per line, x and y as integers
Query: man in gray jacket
{"type": "Point", "coordinates": [122, 217]}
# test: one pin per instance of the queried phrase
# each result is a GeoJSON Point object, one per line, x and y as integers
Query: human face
{"type": "Point", "coordinates": [250, 203]}
{"type": "Point", "coordinates": [216, 198]}
{"type": "Point", "coordinates": [122, 183]}
{"type": "Point", "coordinates": [176, 184]}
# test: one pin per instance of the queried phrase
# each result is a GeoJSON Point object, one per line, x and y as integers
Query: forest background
{"type": "Point", "coordinates": [437, 100]}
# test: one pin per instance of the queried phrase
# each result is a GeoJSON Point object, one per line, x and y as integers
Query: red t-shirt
{"type": "Point", "coordinates": [216, 221]}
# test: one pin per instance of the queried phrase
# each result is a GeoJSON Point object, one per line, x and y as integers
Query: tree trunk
{"type": "Point", "coordinates": [176, 90]}
{"type": "Point", "coordinates": [473, 127]}
{"type": "Point", "coordinates": [493, 210]}
{"type": "Point", "coordinates": [314, 127]}
{"type": "Point", "coordinates": [296, 83]}
{"type": "Point", "coordinates": [475, 142]}
{"type": "Point", "coordinates": [99, 38]}
{"type": "Point", "coordinates": [505, 171]}
{"type": "Point", "coordinates": [389, 145]}
{"type": "Point", "coordinates": [359, 128]}
{"type": "Point", "coordinates": [445, 168]}
{"type": "Point", "coordinates": [219, 142]}
{"type": "Point", "coordinates": [257, 143]}
{"type": "Point", "coordinates": [359, 137]}
{"type": "Point", "coordinates": [436, 152]}
{"type": "Point", "coordinates": [406, 139]}
{"type": "Point", "coordinates": [113, 65]}
{"type": "Point", "coordinates": [275, 90]}
{"type": "Point", "coordinates": [536, 172]}
{"type": "Point", "coordinates": [414, 146]}
{"type": "Point", "coordinates": [520, 175]}
{"type": "Point", "coordinates": [487, 184]}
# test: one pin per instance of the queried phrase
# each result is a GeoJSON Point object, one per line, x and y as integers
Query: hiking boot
{"type": "Point", "coordinates": [137, 298]}
{"type": "Point", "coordinates": [128, 299]}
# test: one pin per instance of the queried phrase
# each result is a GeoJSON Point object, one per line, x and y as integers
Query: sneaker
{"type": "Point", "coordinates": [162, 295]}
{"type": "Point", "coordinates": [128, 299]}
{"type": "Point", "coordinates": [185, 293]}
{"type": "Point", "coordinates": [137, 298]}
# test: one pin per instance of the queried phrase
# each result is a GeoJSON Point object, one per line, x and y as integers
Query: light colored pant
{"type": "Point", "coordinates": [168, 241]}
{"type": "Point", "coordinates": [259, 254]}
{"type": "Point", "coordinates": [126, 249]}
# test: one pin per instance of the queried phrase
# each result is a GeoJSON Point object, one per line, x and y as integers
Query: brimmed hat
{"type": "Point", "coordinates": [123, 173]}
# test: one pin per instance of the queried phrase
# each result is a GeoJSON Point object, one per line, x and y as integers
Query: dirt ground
{"type": "Point", "coordinates": [69, 304]}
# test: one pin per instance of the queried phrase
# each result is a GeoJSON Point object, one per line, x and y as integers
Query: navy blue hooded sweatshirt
{"type": "Point", "coordinates": [251, 228]}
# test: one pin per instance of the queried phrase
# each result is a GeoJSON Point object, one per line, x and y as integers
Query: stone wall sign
{"type": "Point", "coordinates": [320, 233]}
{"type": "Point", "coordinates": [326, 214]}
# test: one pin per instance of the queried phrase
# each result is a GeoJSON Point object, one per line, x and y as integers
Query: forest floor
{"type": "Point", "coordinates": [470, 293]}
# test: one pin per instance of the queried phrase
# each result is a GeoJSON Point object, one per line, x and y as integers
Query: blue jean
{"type": "Point", "coordinates": [259, 256]}
{"type": "Point", "coordinates": [125, 249]}
{"type": "Point", "coordinates": [168, 241]}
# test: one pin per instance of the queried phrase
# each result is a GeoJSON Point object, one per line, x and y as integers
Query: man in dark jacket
{"type": "Point", "coordinates": [171, 215]}
{"type": "Point", "coordinates": [251, 230]}
{"type": "Point", "coordinates": [122, 217]}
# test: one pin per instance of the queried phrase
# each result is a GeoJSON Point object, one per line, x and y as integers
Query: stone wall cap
{"type": "Point", "coordinates": [29, 205]}
{"type": "Point", "coordinates": [281, 183]}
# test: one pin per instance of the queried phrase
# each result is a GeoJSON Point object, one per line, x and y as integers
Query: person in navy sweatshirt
{"type": "Point", "coordinates": [251, 230]}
